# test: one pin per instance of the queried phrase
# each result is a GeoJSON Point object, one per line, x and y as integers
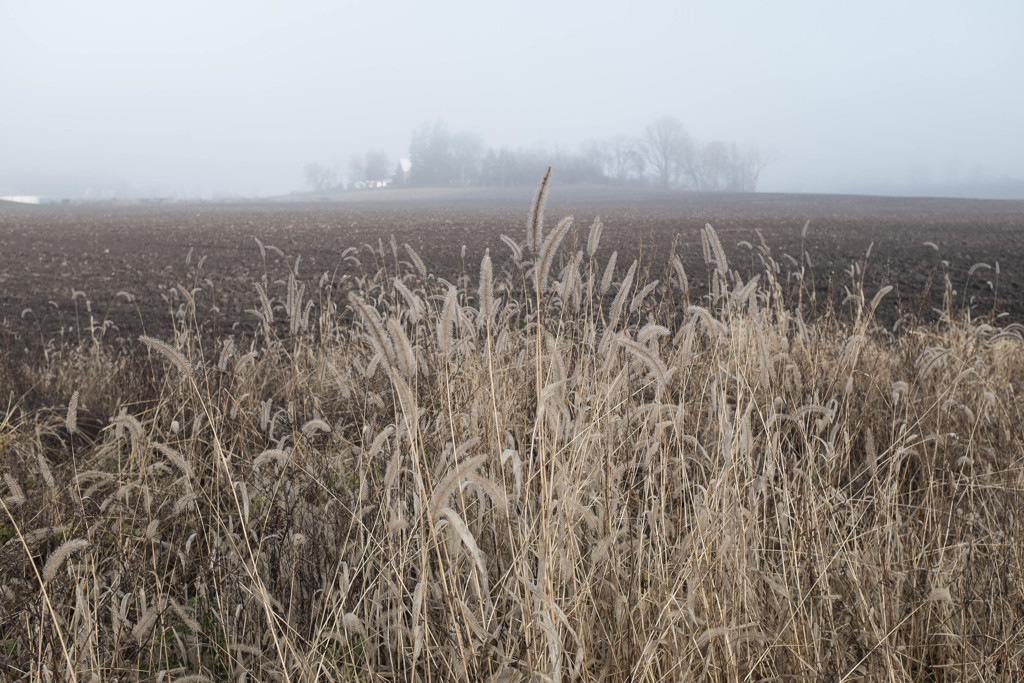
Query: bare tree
{"type": "Point", "coordinates": [625, 158]}
{"type": "Point", "coordinates": [669, 150]}
{"type": "Point", "coordinates": [717, 167]}
{"type": "Point", "coordinates": [753, 160]}
{"type": "Point", "coordinates": [596, 153]}
{"type": "Point", "coordinates": [320, 178]}
{"type": "Point", "coordinates": [727, 166]}
{"type": "Point", "coordinates": [636, 167]}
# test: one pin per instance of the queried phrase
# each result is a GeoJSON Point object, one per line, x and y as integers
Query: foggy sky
{"type": "Point", "coordinates": [236, 97]}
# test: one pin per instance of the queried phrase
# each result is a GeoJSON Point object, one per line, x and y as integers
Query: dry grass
{"type": "Point", "coordinates": [573, 471]}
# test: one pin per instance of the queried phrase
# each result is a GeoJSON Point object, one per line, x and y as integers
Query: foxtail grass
{"type": "Point", "coordinates": [559, 471]}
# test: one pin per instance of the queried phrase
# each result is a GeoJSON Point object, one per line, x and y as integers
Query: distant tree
{"type": "Point", "coordinates": [637, 165]}
{"type": "Point", "coordinates": [625, 159]}
{"type": "Point", "coordinates": [376, 166]}
{"type": "Point", "coordinates": [753, 160]}
{"type": "Point", "coordinates": [372, 167]}
{"type": "Point", "coordinates": [669, 150]}
{"type": "Point", "coordinates": [430, 150]}
{"type": "Point", "coordinates": [517, 167]}
{"type": "Point", "coordinates": [401, 173]}
{"type": "Point", "coordinates": [356, 170]}
{"type": "Point", "coordinates": [576, 168]}
{"type": "Point", "coordinates": [502, 167]}
{"type": "Point", "coordinates": [489, 167]}
{"type": "Point", "coordinates": [725, 166]}
{"type": "Point", "coordinates": [597, 153]}
{"type": "Point", "coordinates": [716, 170]}
{"type": "Point", "coordinates": [320, 178]}
{"type": "Point", "coordinates": [466, 152]}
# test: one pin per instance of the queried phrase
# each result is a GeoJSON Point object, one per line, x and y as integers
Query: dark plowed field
{"type": "Point", "coordinates": [47, 254]}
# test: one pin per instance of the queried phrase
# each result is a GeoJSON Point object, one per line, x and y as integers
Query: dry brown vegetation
{"type": "Point", "coordinates": [560, 468]}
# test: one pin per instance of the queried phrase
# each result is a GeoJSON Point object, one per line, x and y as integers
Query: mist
{"type": "Point", "coordinates": [235, 99]}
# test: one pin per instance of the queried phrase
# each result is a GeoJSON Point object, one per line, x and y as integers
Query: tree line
{"type": "Point", "coordinates": [663, 154]}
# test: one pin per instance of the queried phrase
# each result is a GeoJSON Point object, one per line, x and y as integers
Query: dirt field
{"type": "Point", "coordinates": [49, 253]}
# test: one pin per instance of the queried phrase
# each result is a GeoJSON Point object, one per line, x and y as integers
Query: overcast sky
{"type": "Point", "coordinates": [236, 97]}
